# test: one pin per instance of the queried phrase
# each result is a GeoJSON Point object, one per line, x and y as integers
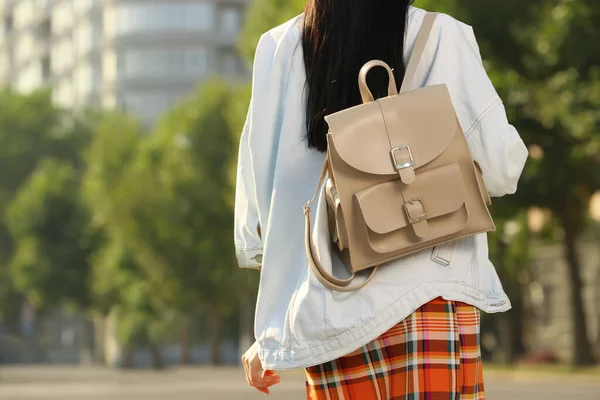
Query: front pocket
{"type": "Point", "coordinates": [442, 192]}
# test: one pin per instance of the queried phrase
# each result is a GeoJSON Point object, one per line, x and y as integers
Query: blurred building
{"type": "Point", "coordinates": [141, 56]}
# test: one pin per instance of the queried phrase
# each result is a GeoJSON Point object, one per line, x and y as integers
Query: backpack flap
{"type": "Point", "coordinates": [360, 134]}
{"type": "Point", "coordinates": [387, 216]}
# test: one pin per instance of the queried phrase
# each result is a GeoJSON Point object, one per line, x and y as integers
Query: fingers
{"type": "Point", "coordinates": [270, 373]}
{"type": "Point", "coordinates": [263, 390]}
{"type": "Point", "coordinates": [259, 381]}
{"type": "Point", "coordinates": [246, 370]}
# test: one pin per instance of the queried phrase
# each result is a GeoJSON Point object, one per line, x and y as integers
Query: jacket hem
{"type": "Point", "coordinates": [353, 339]}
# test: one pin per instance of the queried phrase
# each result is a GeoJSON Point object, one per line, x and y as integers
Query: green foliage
{"type": "Point", "coordinates": [262, 16]}
{"type": "Point", "coordinates": [107, 159]}
{"type": "Point", "coordinates": [178, 210]}
{"type": "Point", "coordinates": [31, 130]}
{"type": "Point", "coordinates": [48, 225]}
{"type": "Point", "coordinates": [164, 203]}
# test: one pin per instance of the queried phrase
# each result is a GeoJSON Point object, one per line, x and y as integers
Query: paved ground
{"type": "Point", "coordinates": [228, 384]}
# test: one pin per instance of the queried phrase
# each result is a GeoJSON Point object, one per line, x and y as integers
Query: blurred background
{"type": "Point", "coordinates": [119, 127]}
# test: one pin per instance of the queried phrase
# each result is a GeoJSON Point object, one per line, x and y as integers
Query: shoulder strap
{"type": "Point", "coordinates": [328, 280]}
{"type": "Point", "coordinates": [418, 50]}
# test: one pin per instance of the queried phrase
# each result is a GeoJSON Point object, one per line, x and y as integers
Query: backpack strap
{"type": "Point", "coordinates": [418, 51]}
{"type": "Point", "coordinates": [328, 280]}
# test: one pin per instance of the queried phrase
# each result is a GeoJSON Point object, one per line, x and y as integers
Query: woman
{"type": "Point", "coordinates": [414, 329]}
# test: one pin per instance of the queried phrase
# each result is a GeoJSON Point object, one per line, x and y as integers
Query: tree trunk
{"type": "Point", "coordinates": [100, 338]}
{"type": "Point", "coordinates": [517, 326]}
{"type": "Point", "coordinates": [582, 354]}
{"type": "Point", "coordinates": [128, 357]}
{"type": "Point", "coordinates": [214, 326]}
{"type": "Point", "coordinates": [503, 321]}
{"type": "Point", "coordinates": [186, 340]}
{"type": "Point", "coordinates": [86, 354]}
{"type": "Point", "coordinates": [157, 359]}
{"type": "Point", "coordinates": [505, 336]}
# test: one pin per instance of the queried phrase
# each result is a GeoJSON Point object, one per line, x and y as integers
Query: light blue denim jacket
{"type": "Point", "coordinates": [299, 322]}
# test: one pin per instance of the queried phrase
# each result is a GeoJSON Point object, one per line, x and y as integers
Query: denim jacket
{"type": "Point", "coordinates": [299, 322]}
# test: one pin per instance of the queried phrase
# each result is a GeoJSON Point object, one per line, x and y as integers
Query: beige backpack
{"type": "Point", "coordinates": [400, 176]}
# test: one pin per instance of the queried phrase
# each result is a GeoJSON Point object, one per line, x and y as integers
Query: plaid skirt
{"type": "Point", "coordinates": [434, 354]}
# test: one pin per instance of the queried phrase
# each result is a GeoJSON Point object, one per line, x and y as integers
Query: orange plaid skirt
{"type": "Point", "coordinates": [433, 354]}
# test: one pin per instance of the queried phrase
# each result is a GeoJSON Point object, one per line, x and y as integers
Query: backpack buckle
{"type": "Point", "coordinates": [399, 165]}
{"type": "Point", "coordinates": [415, 210]}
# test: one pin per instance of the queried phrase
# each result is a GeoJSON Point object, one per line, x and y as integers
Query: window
{"type": "Point", "coordinates": [23, 14]}
{"type": "Point", "coordinates": [230, 19]}
{"type": "Point", "coordinates": [96, 82]}
{"type": "Point", "coordinates": [82, 37]}
{"type": "Point", "coordinates": [25, 47]}
{"type": "Point", "coordinates": [62, 17]}
{"type": "Point", "coordinates": [229, 62]}
{"type": "Point", "coordinates": [163, 63]}
{"type": "Point", "coordinates": [29, 79]}
{"type": "Point", "coordinates": [62, 55]}
{"type": "Point", "coordinates": [63, 93]}
{"type": "Point", "coordinates": [83, 80]}
{"type": "Point", "coordinates": [84, 5]}
{"type": "Point", "coordinates": [148, 106]}
{"type": "Point", "coordinates": [87, 35]}
{"type": "Point", "coordinates": [137, 17]}
{"type": "Point", "coordinates": [96, 35]}
{"type": "Point", "coordinates": [8, 24]}
{"type": "Point", "coordinates": [45, 29]}
{"type": "Point", "coordinates": [46, 68]}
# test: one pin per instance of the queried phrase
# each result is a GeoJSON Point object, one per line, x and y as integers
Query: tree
{"type": "Point", "coordinates": [183, 227]}
{"type": "Point", "coordinates": [118, 282]}
{"type": "Point", "coordinates": [119, 286]}
{"type": "Point", "coordinates": [31, 129]}
{"type": "Point", "coordinates": [49, 227]}
{"type": "Point", "coordinates": [168, 196]}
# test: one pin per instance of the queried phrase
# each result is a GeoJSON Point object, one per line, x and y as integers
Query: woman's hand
{"type": "Point", "coordinates": [255, 376]}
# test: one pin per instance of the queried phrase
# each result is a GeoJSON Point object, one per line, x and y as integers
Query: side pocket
{"type": "Point", "coordinates": [484, 192]}
{"type": "Point", "coordinates": [337, 225]}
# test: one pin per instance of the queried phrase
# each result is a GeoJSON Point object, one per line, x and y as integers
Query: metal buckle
{"type": "Point", "coordinates": [398, 167]}
{"type": "Point", "coordinates": [418, 218]}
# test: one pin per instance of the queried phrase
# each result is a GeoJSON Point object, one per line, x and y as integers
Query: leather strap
{"type": "Point", "coordinates": [418, 51]}
{"type": "Point", "coordinates": [328, 280]}
{"type": "Point", "coordinates": [413, 203]}
{"type": "Point", "coordinates": [365, 92]}
{"type": "Point", "coordinates": [400, 151]}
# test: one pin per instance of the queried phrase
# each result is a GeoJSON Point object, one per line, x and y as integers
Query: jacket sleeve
{"type": "Point", "coordinates": [247, 234]}
{"type": "Point", "coordinates": [494, 143]}
{"type": "Point", "coordinates": [499, 151]}
{"type": "Point", "coordinates": [253, 148]}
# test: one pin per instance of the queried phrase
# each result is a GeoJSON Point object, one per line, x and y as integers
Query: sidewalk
{"type": "Point", "coordinates": [95, 383]}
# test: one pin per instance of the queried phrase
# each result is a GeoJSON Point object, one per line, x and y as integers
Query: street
{"type": "Point", "coordinates": [72, 383]}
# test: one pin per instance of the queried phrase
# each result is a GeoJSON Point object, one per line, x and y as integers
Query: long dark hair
{"type": "Point", "coordinates": [338, 38]}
